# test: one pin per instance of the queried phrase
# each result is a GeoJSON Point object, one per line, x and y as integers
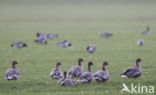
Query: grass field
{"type": "Point", "coordinates": [80, 22]}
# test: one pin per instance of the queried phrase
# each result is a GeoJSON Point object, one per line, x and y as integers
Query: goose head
{"type": "Point", "coordinates": [104, 64]}
{"type": "Point", "coordinates": [65, 73]}
{"type": "Point", "coordinates": [24, 45]}
{"type": "Point", "coordinates": [138, 60]}
{"type": "Point", "coordinates": [79, 61]}
{"type": "Point", "coordinates": [14, 63]}
{"type": "Point", "coordinates": [70, 45]}
{"type": "Point", "coordinates": [58, 64]}
{"type": "Point", "coordinates": [89, 66]}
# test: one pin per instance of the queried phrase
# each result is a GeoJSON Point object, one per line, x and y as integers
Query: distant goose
{"type": "Point", "coordinates": [106, 35]}
{"type": "Point", "coordinates": [102, 76]}
{"type": "Point", "coordinates": [134, 71]}
{"type": "Point", "coordinates": [86, 77]}
{"type": "Point", "coordinates": [56, 73]}
{"type": "Point", "coordinates": [64, 44]}
{"type": "Point", "coordinates": [147, 31]}
{"type": "Point", "coordinates": [52, 36]}
{"type": "Point", "coordinates": [41, 41]}
{"type": "Point", "coordinates": [41, 35]}
{"type": "Point", "coordinates": [12, 73]}
{"type": "Point", "coordinates": [19, 44]}
{"type": "Point", "coordinates": [76, 70]}
{"type": "Point", "coordinates": [91, 48]}
{"type": "Point", "coordinates": [68, 82]}
{"type": "Point", "coordinates": [140, 42]}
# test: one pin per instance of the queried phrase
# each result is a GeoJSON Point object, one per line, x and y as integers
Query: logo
{"type": "Point", "coordinates": [137, 88]}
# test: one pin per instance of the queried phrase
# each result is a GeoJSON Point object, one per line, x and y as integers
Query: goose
{"type": "Point", "coordinates": [56, 73]}
{"type": "Point", "coordinates": [106, 35]}
{"type": "Point", "coordinates": [61, 79]}
{"type": "Point", "coordinates": [41, 35]}
{"type": "Point", "coordinates": [140, 42]}
{"type": "Point", "coordinates": [147, 31]}
{"type": "Point", "coordinates": [41, 41]}
{"type": "Point", "coordinates": [52, 36]}
{"type": "Point", "coordinates": [19, 44]}
{"type": "Point", "coordinates": [102, 76]}
{"type": "Point", "coordinates": [134, 71]}
{"type": "Point", "coordinates": [64, 44]}
{"type": "Point", "coordinates": [86, 77]}
{"type": "Point", "coordinates": [12, 73]}
{"type": "Point", "coordinates": [76, 70]}
{"type": "Point", "coordinates": [91, 48]}
{"type": "Point", "coordinates": [68, 82]}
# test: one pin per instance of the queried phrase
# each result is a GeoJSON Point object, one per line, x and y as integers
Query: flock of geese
{"type": "Point", "coordinates": [77, 71]}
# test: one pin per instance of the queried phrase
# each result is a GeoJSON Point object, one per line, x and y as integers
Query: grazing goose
{"type": "Point", "coordinates": [41, 41]}
{"type": "Point", "coordinates": [12, 73]}
{"type": "Point", "coordinates": [56, 73]}
{"type": "Point", "coordinates": [140, 42]}
{"type": "Point", "coordinates": [68, 82]}
{"type": "Point", "coordinates": [147, 31]}
{"type": "Point", "coordinates": [91, 48]}
{"type": "Point", "coordinates": [41, 35]}
{"type": "Point", "coordinates": [64, 44]}
{"type": "Point", "coordinates": [134, 71]}
{"type": "Point", "coordinates": [76, 70]}
{"type": "Point", "coordinates": [86, 77]}
{"type": "Point", "coordinates": [52, 36]}
{"type": "Point", "coordinates": [102, 76]}
{"type": "Point", "coordinates": [106, 35]}
{"type": "Point", "coordinates": [19, 44]}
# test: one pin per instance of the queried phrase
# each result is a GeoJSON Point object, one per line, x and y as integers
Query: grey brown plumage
{"type": "Point", "coordinates": [12, 73]}
{"type": "Point", "coordinates": [134, 71]}
{"type": "Point", "coordinates": [19, 44]}
{"type": "Point", "coordinates": [56, 73]}
{"type": "Point", "coordinates": [91, 48]}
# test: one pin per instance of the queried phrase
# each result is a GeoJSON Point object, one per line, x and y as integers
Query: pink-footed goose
{"type": "Point", "coordinates": [102, 76]}
{"type": "Point", "coordinates": [76, 70]}
{"type": "Point", "coordinates": [86, 77]}
{"type": "Point", "coordinates": [134, 71]}
{"type": "Point", "coordinates": [56, 73]}
{"type": "Point", "coordinates": [12, 73]}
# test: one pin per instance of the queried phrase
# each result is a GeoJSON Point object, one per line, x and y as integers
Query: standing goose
{"type": "Point", "coordinates": [12, 73]}
{"type": "Point", "coordinates": [86, 77]}
{"type": "Point", "coordinates": [102, 76]}
{"type": "Point", "coordinates": [147, 31]}
{"type": "Point", "coordinates": [91, 48]}
{"type": "Point", "coordinates": [56, 73]}
{"type": "Point", "coordinates": [134, 71]}
{"type": "Point", "coordinates": [76, 70]}
{"type": "Point", "coordinates": [19, 44]}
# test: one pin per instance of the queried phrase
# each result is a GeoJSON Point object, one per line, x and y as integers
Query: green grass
{"type": "Point", "coordinates": [80, 23]}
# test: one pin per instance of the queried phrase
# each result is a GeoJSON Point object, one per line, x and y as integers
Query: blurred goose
{"type": "Point", "coordinates": [91, 48]}
{"type": "Point", "coordinates": [52, 36]}
{"type": "Point", "coordinates": [41, 35]}
{"type": "Point", "coordinates": [86, 77]}
{"type": "Point", "coordinates": [140, 42]}
{"type": "Point", "coordinates": [19, 44]}
{"type": "Point", "coordinates": [56, 73]}
{"type": "Point", "coordinates": [12, 73]}
{"type": "Point", "coordinates": [76, 70]}
{"type": "Point", "coordinates": [102, 76]}
{"type": "Point", "coordinates": [106, 35]}
{"type": "Point", "coordinates": [61, 79]}
{"type": "Point", "coordinates": [41, 41]}
{"type": "Point", "coordinates": [134, 71]}
{"type": "Point", "coordinates": [64, 44]}
{"type": "Point", "coordinates": [68, 82]}
{"type": "Point", "coordinates": [147, 31]}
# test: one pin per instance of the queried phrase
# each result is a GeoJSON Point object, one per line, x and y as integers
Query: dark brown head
{"type": "Point", "coordinates": [90, 63]}
{"type": "Point", "coordinates": [14, 63]}
{"type": "Point", "coordinates": [12, 45]}
{"type": "Point", "coordinates": [58, 64]}
{"type": "Point", "coordinates": [65, 73]}
{"type": "Point", "coordinates": [45, 42]}
{"type": "Point", "coordinates": [148, 28]}
{"type": "Point", "coordinates": [38, 34]}
{"type": "Point", "coordinates": [69, 44]}
{"type": "Point", "coordinates": [24, 45]}
{"type": "Point", "coordinates": [79, 61]}
{"type": "Point", "coordinates": [138, 60]}
{"type": "Point", "coordinates": [105, 63]}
